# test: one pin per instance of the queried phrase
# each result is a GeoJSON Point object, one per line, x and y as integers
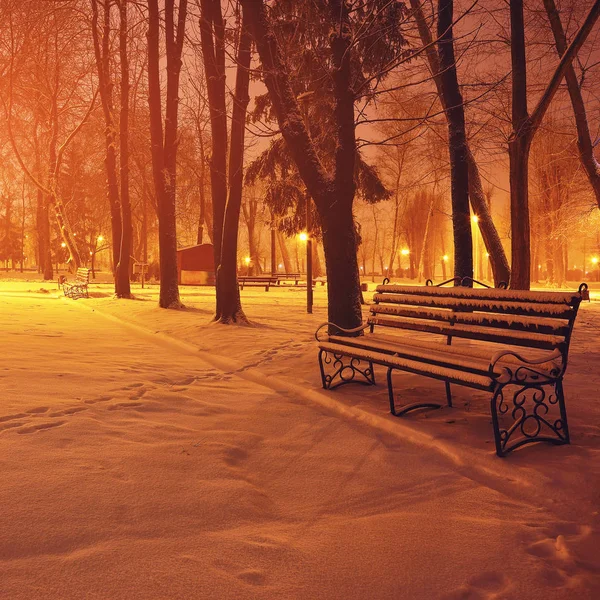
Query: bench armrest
{"type": "Point", "coordinates": [523, 371]}
{"type": "Point", "coordinates": [340, 329]}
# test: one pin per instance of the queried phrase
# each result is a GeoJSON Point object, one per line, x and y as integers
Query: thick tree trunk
{"type": "Point", "coordinates": [228, 291]}
{"type": "Point", "coordinates": [163, 156]}
{"type": "Point", "coordinates": [122, 280]}
{"type": "Point", "coordinates": [518, 153]}
{"type": "Point", "coordinates": [212, 37]}
{"type": "Point", "coordinates": [333, 195]}
{"type": "Point", "coordinates": [341, 263]}
{"type": "Point", "coordinates": [457, 143]}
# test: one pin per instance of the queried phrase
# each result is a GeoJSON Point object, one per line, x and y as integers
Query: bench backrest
{"type": "Point", "coordinates": [521, 318]}
{"type": "Point", "coordinates": [83, 275]}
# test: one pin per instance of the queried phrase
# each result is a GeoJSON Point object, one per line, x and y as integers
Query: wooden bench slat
{"type": "Point", "coordinates": [466, 378]}
{"type": "Point", "coordinates": [436, 353]}
{"type": "Point", "coordinates": [556, 311]}
{"type": "Point", "coordinates": [473, 332]}
{"type": "Point", "coordinates": [517, 322]}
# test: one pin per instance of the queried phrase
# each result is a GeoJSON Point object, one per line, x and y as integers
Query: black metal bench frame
{"type": "Point", "coordinates": [536, 384]}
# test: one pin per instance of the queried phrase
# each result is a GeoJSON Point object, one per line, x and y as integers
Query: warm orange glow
{"type": "Point", "coordinates": [100, 238]}
{"type": "Point", "coordinates": [445, 258]}
{"type": "Point", "coordinates": [595, 260]}
{"type": "Point", "coordinates": [405, 251]}
{"type": "Point", "coordinates": [247, 260]}
{"type": "Point", "coordinates": [63, 245]}
{"type": "Point", "coordinates": [303, 236]}
{"type": "Point", "coordinates": [475, 219]}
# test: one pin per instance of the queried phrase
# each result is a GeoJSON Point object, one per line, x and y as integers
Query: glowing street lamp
{"type": "Point", "coordinates": [303, 236]}
{"type": "Point", "coordinates": [594, 260]}
{"type": "Point", "coordinates": [445, 258]}
{"type": "Point", "coordinates": [100, 238]}
{"type": "Point", "coordinates": [63, 245]}
{"type": "Point", "coordinates": [247, 260]}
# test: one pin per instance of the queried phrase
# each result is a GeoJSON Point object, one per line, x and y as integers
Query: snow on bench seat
{"type": "Point", "coordinates": [566, 298]}
{"type": "Point", "coordinates": [466, 378]}
{"type": "Point", "coordinates": [484, 319]}
{"type": "Point", "coordinates": [438, 353]}
{"type": "Point", "coordinates": [474, 332]}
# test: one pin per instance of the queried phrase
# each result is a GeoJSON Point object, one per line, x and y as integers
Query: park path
{"type": "Point", "coordinates": [132, 470]}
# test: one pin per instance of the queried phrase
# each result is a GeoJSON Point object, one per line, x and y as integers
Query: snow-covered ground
{"type": "Point", "coordinates": [150, 454]}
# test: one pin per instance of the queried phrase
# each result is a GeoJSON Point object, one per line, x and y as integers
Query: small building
{"type": "Point", "coordinates": [196, 265]}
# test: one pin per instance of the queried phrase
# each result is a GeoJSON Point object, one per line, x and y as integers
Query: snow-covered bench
{"type": "Point", "coordinates": [79, 287]}
{"type": "Point", "coordinates": [513, 344]}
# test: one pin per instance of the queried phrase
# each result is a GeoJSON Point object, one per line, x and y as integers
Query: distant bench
{"type": "Point", "coordinates": [267, 280]}
{"type": "Point", "coordinates": [257, 280]}
{"type": "Point", "coordinates": [527, 399]}
{"type": "Point", "coordinates": [77, 288]}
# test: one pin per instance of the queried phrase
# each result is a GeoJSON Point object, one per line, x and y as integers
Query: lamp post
{"type": "Point", "coordinates": [305, 237]}
{"type": "Point", "coordinates": [303, 99]}
{"type": "Point", "coordinates": [273, 249]}
{"type": "Point", "coordinates": [475, 220]}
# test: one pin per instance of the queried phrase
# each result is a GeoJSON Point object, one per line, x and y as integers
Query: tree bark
{"type": "Point", "coordinates": [123, 271]}
{"type": "Point", "coordinates": [164, 150]}
{"type": "Point", "coordinates": [457, 143]}
{"type": "Point", "coordinates": [228, 291]}
{"type": "Point", "coordinates": [212, 38]}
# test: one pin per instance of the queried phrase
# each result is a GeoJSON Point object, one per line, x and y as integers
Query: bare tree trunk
{"type": "Point", "coordinates": [228, 291]}
{"type": "Point", "coordinates": [212, 37]}
{"type": "Point", "coordinates": [518, 152]}
{"type": "Point", "coordinates": [525, 126]}
{"type": "Point", "coordinates": [102, 55]}
{"type": "Point", "coordinates": [43, 226]}
{"type": "Point", "coordinates": [476, 196]}
{"type": "Point", "coordinates": [201, 191]}
{"type": "Point", "coordinates": [285, 255]}
{"type": "Point", "coordinates": [122, 281]}
{"type": "Point", "coordinates": [164, 151]}
{"type": "Point", "coordinates": [457, 144]}
{"type": "Point", "coordinates": [425, 239]}
{"type": "Point", "coordinates": [584, 138]}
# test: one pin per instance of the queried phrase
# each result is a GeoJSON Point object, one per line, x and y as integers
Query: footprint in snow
{"type": "Point", "coordinates": [40, 427]}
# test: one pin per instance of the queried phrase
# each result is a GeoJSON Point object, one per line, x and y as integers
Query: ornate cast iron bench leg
{"type": "Point", "coordinates": [527, 417]}
{"type": "Point", "coordinates": [345, 369]}
{"type": "Point", "coordinates": [414, 406]}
